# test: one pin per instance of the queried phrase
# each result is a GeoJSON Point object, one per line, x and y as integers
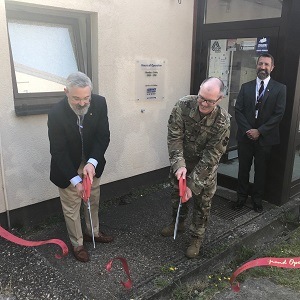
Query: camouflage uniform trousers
{"type": "Point", "coordinates": [201, 207]}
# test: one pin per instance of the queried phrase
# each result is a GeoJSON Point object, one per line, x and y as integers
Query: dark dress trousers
{"type": "Point", "coordinates": [65, 139]}
{"type": "Point", "coordinates": [267, 123]}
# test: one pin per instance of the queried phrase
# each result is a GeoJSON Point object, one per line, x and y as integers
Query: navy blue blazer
{"type": "Point", "coordinates": [270, 114]}
{"type": "Point", "coordinates": [65, 139]}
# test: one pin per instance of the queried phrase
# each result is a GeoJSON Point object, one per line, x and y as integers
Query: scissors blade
{"type": "Point", "coordinates": [177, 220]}
{"type": "Point", "coordinates": [91, 222]}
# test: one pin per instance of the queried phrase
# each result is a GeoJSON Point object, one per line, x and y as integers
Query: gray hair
{"type": "Point", "coordinates": [221, 83]}
{"type": "Point", "coordinates": [78, 79]}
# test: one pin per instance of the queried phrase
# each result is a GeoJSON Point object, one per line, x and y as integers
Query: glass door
{"type": "Point", "coordinates": [234, 61]}
{"type": "Point", "coordinates": [295, 178]}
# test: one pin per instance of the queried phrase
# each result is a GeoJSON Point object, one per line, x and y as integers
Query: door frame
{"type": "Point", "coordinates": [295, 185]}
{"type": "Point", "coordinates": [286, 54]}
{"type": "Point", "coordinates": [207, 36]}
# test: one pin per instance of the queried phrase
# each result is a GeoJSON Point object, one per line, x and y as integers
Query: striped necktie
{"type": "Point", "coordinates": [261, 89]}
{"type": "Point", "coordinates": [259, 98]}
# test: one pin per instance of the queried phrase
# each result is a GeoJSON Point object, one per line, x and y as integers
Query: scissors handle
{"type": "Point", "coordinates": [86, 188]}
{"type": "Point", "coordinates": [182, 189]}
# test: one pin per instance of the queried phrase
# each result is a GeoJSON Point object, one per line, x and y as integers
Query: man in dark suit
{"type": "Point", "coordinates": [259, 109]}
{"type": "Point", "coordinates": [79, 135]}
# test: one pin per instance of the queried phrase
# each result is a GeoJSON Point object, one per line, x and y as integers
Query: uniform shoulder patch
{"type": "Point", "coordinates": [225, 141]}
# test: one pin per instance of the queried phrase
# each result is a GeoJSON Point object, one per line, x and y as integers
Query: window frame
{"type": "Point", "coordinates": [41, 102]}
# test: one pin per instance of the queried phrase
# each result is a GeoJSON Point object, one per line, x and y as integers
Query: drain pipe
{"type": "Point", "coordinates": [4, 185]}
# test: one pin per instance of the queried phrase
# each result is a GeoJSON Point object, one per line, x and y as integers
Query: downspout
{"type": "Point", "coordinates": [4, 186]}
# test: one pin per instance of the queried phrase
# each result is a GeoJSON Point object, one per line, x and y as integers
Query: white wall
{"type": "Point", "coordinates": [123, 31]}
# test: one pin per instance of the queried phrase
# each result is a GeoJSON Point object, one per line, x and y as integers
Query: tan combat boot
{"type": "Point", "coordinates": [169, 229]}
{"type": "Point", "coordinates": [193, 250]}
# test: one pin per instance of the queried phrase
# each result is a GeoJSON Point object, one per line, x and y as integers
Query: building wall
{"type": "Point", "coordinates": [122, 32]}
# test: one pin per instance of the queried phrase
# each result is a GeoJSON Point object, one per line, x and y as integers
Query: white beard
{"type": "Point", "coordinates": [78, 110]}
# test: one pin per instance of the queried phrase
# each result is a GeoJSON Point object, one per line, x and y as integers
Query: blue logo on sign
{"type": "Point", "coordinates": [151, 91]}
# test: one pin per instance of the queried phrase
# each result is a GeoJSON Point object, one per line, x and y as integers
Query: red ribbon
{"type": "Point", "coordinates": [288, 263]}
{"type": "Point", "coordinates": [12, 238]}
{"type": "Point", "coordinates": [86, 188]}
{"type": "Point", "coordinates": [127, 284]}
{"type": "Point", "coordinates": [182, 190]}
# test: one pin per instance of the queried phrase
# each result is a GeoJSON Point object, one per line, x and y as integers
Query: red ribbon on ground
{"type": "Point", "coordinates": [127, 284]}
{"type": "Point", "coordinates": [285, 262]}
{"type": "Point", "coordinates": [14, 239]}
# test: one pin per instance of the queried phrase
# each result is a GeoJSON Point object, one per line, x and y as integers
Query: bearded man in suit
{"type": "Point", "coordinates": [259, 109]}
{"type": "Point", "coordinates": [79, 135]}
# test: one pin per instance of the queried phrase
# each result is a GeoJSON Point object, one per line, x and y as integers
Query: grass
{"type": "Point", "coordinates": [287, 277]}
{"type": "Point", "coordinates": [161, 282]}
{"type": "Point", "coordinates": [207, 286]}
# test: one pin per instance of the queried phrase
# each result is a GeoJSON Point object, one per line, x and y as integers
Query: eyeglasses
{"type": "Point", "coordinates": [78, 100]}
{"type": "Point", "coordinates": [209, 102]}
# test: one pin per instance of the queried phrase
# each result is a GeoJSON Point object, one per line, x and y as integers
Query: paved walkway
{"type": "Point", "coordinates": [135, 222]}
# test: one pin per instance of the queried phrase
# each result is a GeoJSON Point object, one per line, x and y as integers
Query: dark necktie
{"type": "Point", "coordinates": [259, 98]}
{"type": "Point", "coordinates": [261, 89]}
{"type": "Point", "coordinates": [80, 126]}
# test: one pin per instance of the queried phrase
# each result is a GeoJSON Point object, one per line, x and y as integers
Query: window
{"type": "Point", "coordinates": [44, 49]}
{"type": "Point", "coordinates": [239, 10]}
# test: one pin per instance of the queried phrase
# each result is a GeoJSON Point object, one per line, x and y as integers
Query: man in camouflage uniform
{"type": "Point", "coordinates": [198, 134]}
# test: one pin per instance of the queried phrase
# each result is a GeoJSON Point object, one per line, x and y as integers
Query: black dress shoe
{"type": "Point", "coordinates": [258, 208]}
{"type": "Point", "coordinates": [238, 205]}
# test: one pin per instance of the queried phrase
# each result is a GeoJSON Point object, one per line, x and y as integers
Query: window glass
{"type": "Point", "coordinates": [234, 61]}
{"type": "Point", "coordinates": [218, 11]}
{"type": "Point", "coordinates": [45, 47]}
{"type": "Point", "coordinates": [43, 55]}
{"type": "Point", "coordinates": [296, 168]}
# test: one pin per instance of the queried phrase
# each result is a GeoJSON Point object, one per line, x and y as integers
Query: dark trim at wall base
{"type": "Point", "coordinates": [32, 215]}
{"type": "Point", "coordinates": [50, 210]}
{"type": "Point", "coordinates": [123, 186]}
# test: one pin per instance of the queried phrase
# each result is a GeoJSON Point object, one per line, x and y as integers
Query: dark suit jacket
{"type": "Point", "coordinates": [270, 114]}
{"type": "Point", "coordinates": [65, 140]}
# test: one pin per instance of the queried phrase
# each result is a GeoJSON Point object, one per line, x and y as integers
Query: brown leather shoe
{"type": "Point", "coordinates": [101, 238]}
{"type": "Point", "coordinates": [81, 254]}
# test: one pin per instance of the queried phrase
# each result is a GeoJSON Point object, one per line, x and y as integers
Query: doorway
{"type": "Point", "coordinates": [224, 36]}
{"type": "Point", "coordinates": [295, 180]}
{"type": "Point", "coordinates": [233, 59]}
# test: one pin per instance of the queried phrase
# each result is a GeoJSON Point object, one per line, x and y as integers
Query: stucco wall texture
{"type": "Point", "coordinates": [122, 33]}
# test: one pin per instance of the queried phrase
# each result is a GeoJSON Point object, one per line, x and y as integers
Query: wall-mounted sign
{"type": "Point", "coordinates": [262, 44]}
{"type": "Point", "coordinates": [150, 79]}
{"type": "Point", "coordinates": [231, 45]}
{"type": "Point", "coordinates": [248, 44]}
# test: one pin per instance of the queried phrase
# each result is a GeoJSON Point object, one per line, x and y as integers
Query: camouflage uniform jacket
{"type": "Point", "coordinates": [196, 143]}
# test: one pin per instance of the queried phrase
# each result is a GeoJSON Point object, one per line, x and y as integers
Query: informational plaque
{"type": "Point", "coordinates": [150, 79]}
